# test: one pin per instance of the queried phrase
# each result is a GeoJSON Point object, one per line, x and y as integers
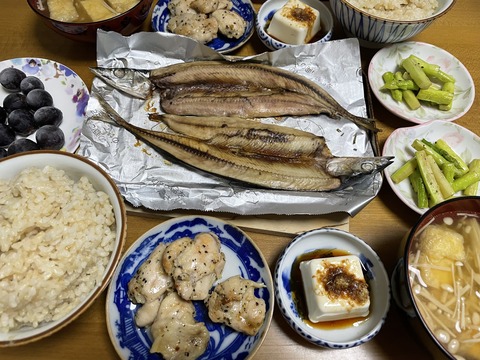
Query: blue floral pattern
{"type": "Point", "coordinates": [242, 258]}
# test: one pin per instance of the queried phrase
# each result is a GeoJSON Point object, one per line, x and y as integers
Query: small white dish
{"type": "Point", "coordinates": [389, 58]}
{"type": "Point", "coordinates": [221, 44]}
{"type": "Point", "coordinates": [69, 92]}
{"type": "Point", "coordinates": [340, 337]}
{"type": "Point", "coordinates": [464, 142]}
{"type": "Point", "coordinates": [270, 7]}
{"type": "Point", "coordinates": [242, 258]}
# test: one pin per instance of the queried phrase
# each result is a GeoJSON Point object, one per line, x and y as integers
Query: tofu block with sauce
{"type": "Point", "coordinates": [295, 23]}
{"type": "Point", "coordinates": [62, 10]}
{"type": "Point", "coordinates": [335, 288]}
{"type": "Point", "coordinates": [97, 10]}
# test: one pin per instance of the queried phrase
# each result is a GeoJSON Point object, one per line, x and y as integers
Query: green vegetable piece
{"type": "Point", "coordinates": [449, 87]}
{"type": "Point", "coordinates": [435, 96]}
{"type": "Point", "coordinates": [419, 189]}
{"type": "Point", "coordinates": [449, 170]}
{"type": "Point", "coordinates": [416, 73]}
{"type": "Point", "coordinates": [433, 70]}
{"type": "Point", "coordinates": [411, 100]}
{"type": "Point", "coordinates": [448, 153]}
{"type": "Point", "coordinates": [445, 187]}
{"type": "Point", "coordinates": [397, 95]}
{"type": "Point", "coordinates": [466, 180]}
{"type": "Point", "coordinates": [420, 145]}
{"type": "Point", "coordinates": [389, 79]}
{"type": "Point", "coordinates": [433, 190]}
{"type": "Point", "coordinates": [404, 171]}
{"type": "Point", "coordinates": [472, 189]}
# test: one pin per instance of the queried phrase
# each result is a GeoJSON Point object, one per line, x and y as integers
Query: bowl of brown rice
{"type": "Point", "coordinates": [379, 22]}
{"type": "Point", "coordinates": [62, 233]}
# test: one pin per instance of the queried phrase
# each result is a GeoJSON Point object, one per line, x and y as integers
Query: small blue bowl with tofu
{"type": "Point", "coordinates": [285, 23]}
{"type": "Point", "coordinates": [332, 288]}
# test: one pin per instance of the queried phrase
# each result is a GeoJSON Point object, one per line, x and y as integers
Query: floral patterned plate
{"type": "Point", "coordinates": [389, 58]}
{"type": "Point", "coordinates": [221, 44]}
{"type": "Point", "coordinates": [242, 258]}
{"type": "Point", "coordinates": [464, 142]}
{"type": "Point", "coordinates": [68, 90]}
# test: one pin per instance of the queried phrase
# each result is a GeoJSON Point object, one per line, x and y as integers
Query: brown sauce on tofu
{"type": "Point", "coordinates": [298, 293]}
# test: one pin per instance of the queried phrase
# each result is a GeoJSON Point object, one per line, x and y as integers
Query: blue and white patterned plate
{"type": "Point", "coordinates": [221, 44]}
{"type": "Point", "coordinates": [375, 274]}
{"type": "Point", "coordinates": [69, 92]}
{"type": "Point", "coordinates": [242, 258]}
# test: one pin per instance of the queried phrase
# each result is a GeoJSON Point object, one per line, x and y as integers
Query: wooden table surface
{"type": "Point", "coordinates": [382, 223]}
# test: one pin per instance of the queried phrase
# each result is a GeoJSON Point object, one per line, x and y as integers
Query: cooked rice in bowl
{"type": "Point", "coordinates": [56, 240]}
{"type": "Point", "coordinates": [403, 10]}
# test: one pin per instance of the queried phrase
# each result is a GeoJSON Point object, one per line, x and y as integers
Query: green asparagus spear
{"type": "Point", "coordinates": [449, 170]}
{"type": "Point", "coordinates": [419, 189]}
{"type": "Point", "coordinates": [410, 99]}
{"type": "Point", "coordinates": [416, 73]}
{"type": "Point", "coordinates": [420, 145]}
{"type": "Point", "coordinates": [445, 187]}
{"type": "Point", "coordinates": [433, 70]}
{"type": "Point", "coordinates": [435, 196]}
{"type": "Point", "coordinates": [449, 87]}
{"type": "Point", "coordinates": [472, 189]}
{"type": "Point", "coordinates": [466, 180]}
{"type": "Point", "coordinates": [448, 153]}
{"type": "Point", "coordinates": [435, 96]}
{"type": "Point", "coordinates": [389, 80]}
{"type": "Point", "coordinates": [404, 171]}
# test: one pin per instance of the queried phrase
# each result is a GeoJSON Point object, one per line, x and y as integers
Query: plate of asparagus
{"type": "Point", "coordinates": [433, 162]}
{"type": "Point", "coordinates": [420, 82]}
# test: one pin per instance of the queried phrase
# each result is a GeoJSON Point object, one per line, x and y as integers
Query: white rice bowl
{"type": "Point", "coordinates": [62, 230]}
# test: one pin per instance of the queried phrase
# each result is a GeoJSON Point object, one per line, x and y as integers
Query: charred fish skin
{"type": "Point", "coordinates": [262, 172]}
{"type": "Point", "coordinates": [248, 136]}
{"type": "Point", "coordinates": [213, 74]}
{"type": "Point", "coordinates": [304, 174]}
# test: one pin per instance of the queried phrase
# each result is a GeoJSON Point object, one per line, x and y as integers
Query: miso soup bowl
{"type": "Point", "coordinates": [405, 279]}
{"type": "Point", "coordinates": [125, 23]}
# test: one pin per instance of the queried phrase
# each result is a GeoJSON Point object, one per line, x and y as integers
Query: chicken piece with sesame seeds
{"type": "Point", "coordinates": [199, 27]}
{"type": "Point", "coordinates": [194, 265]}
{"type": "Point", "coordinates": [179, 7]}
{"type": "Point", "coordinates": [230, 23]}
{"type": "Point", "coordinates": [233, 302]}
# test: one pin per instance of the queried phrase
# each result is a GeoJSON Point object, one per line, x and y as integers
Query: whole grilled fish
{"type": "Point", "coordinates": [319, 171]}
{"type": "Point", "coordinates": [223, 88]}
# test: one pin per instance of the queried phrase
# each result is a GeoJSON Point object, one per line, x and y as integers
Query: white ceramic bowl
{"type": "Point", "coordinates": [373, 31]}
{"type": "Point", "coordinates": [375, 274]}
{"type": "Point", "coordinates": [270, 7]}
{"type": "Point", "coordinates": [389, 58]}
{"type": "Point", "coordinates": [464, 142]}
{"type": "Point", "coordinates": [75, 166]}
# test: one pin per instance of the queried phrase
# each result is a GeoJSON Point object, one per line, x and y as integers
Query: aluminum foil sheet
{"type": "Point", "coordinates": [155, 181]}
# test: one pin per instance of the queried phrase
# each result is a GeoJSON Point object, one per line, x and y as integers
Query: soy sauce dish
{"type": "Point", "coordinates": [327, 245]}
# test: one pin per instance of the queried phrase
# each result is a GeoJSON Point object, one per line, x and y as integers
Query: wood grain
{"type": "Point", "coordinates": [382, 223]}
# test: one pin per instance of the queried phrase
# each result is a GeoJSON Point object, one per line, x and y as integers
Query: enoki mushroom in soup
{"type": "Point", "coordinates": [444, 271]}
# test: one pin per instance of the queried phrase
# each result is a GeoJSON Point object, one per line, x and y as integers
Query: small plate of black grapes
{"type": "Point", "coordinates": [42, 106]}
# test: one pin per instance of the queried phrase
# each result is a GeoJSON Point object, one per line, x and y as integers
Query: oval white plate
{"type": "Point", "coordinates": [375, 274]}
{"type": "Point", "coordinates": [242, 258]}
{"type": "Point", "coordinates": [464, 142]}
{"type": "Point", "coordinates": [68, 90]}
{"type": "Point", "coordinates": [221, 44]}
{"type": "Point", "coordinates": [389, 58]}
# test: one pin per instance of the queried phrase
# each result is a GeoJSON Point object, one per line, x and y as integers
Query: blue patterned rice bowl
{"type": "Point", "coordinates": [373, 30]}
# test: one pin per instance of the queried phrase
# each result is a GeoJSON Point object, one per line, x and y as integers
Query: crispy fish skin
{"type": "Point", "coordinates": [301, 174]}
{"type": "Point", "coordinates": [253, 75]}
{"type": "Point", "coordinates": [248, 136]}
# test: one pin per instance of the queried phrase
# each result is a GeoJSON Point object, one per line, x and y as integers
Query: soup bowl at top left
{"type": "Point", "coordinates": [437, 280]}
{"type": "Point", "coordinates": [125, 23]}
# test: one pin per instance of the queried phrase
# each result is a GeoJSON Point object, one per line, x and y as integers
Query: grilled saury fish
{"type": "Point", "coordinates": [224, 88]}
{"type": "Point", "coordinates": [269, 156]}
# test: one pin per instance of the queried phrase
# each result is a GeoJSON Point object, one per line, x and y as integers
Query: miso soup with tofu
{"type": "Point", "coordinates": [444, 274]}
{"type": "Point", "coordinates": [85, 11]}
{"type": "Point", "coordinates": [329, 289]}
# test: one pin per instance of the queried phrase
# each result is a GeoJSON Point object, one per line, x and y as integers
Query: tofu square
{"type": "Point", "coordinates": [295, 23]}
{"type": "Point", "coordinates": [335, 288]}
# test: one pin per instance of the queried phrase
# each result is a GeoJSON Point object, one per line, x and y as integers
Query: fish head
{"type": "Point", "coordinates": [354, 166]}
{"type": "Point", "coordinates": [130, 81]}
